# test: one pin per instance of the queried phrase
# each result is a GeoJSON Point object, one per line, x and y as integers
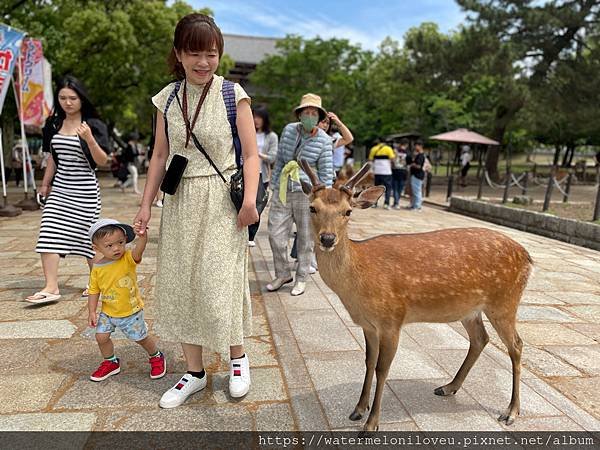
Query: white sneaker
{"type": "Point", "coordinates": [159, 203]}
{"type": "Point", "coordinates": [299, 288]}
{"type": "Point", "coordinates": [251, 244]}
{"type": "Point", "coordinates": [312, 269]}
{"type": "Point", "coordinates": [239, 377]}
{"type": "Point", "coordinates": [179, 393]}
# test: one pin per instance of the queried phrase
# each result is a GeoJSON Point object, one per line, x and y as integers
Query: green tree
{"type": "Point", "coordinates": [118, 48]}
{"type": "Point", "coordinates": [334, 69]}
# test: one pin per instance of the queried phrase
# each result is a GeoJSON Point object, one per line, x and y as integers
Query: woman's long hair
{"type": "Point", "coordinates": [262, 112]}
{"type": "Point", "coordinates": [88, 111]}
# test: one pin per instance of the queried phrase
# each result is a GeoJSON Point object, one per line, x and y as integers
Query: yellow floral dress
{"type": "Point", "coordinates": [202, 290]}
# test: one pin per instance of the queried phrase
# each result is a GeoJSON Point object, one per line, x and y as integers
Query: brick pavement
{"type": "Point", "coordinates": [307, 355]}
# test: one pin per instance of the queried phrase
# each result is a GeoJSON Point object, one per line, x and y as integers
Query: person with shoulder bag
{"type": "Point", "coordinates": [302, 139]}
{"type": "Point", "coordinates": [202, 290]}
{"type": "Point", "coordinates": [78, 141]}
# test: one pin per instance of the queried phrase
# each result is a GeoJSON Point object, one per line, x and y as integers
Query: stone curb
{"type": "Point", "coordinates": [575, 232]}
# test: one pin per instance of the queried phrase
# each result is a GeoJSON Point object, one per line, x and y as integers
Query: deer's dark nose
{"type": "Point", "coordinates": [327, 239]}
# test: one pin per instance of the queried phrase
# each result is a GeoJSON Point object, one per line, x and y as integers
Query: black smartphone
{"type": "Point", "coordinates": [174, 174]}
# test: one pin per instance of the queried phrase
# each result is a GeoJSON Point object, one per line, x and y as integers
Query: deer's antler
{"type": "Point", "coordinates": [349, 186]}
{"type": "Point", "coordinates": [316, 183]}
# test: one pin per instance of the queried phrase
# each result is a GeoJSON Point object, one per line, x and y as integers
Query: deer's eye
{"type": "Point", "coordinates": [312, 210]}
{"type": "Point", "coordinates": [348, 212]}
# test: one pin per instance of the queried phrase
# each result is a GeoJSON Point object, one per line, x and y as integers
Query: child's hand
{"type": "Point", "coordinates": [92, 319]}
{"type": "Point", "coordinates": [137, 227]}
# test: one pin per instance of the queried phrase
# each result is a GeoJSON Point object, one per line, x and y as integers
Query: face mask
{"type": "Point", "coordinates": [309, 122]}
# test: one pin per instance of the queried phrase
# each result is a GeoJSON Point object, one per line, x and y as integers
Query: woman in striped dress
{"type": "Point", "coordinates": [78, 141]}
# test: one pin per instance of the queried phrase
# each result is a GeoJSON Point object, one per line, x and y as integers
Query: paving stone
{"type": "Point", "coordinates": [584, 358]}
{"type": "Point", "coordinates": [543, 314]}
{"type": "Point", "coordinates": [12, 311]}
{"type": "Point", "coordinates": [583, 404]}
{"type": "Point", "coordinates": [338, 379]}
{"type": "Point", "coordinates": [61, 421]}
{"type": "Point", "coordinates": [275, 312]}
{"type": "Point", "coordinates": [188, 417]}
{"type": "Point", "coordinates": [587, 312]}
{"type": "Point", "coordinates": [23, 356]}
{"type": "Point", "coordinates": [260, 325]}
{"type": "Point", "coordinates": [547, 365]}
{"type": "Point", "coordinates": [411, 363]}
{"type": "Point", "coordinates": [490, 384]}
{"type": "Point", "coordinates": [261, 351]}
{"type": "Point", "coordinates": [577, 298]}
{"type": "Point", "coordinates": [399, 426]}
{"type": "Point", "coordinates": [311, 299]}
{"type": "Point", "coordinates": [591, 330]}
{"type": "Point", "coordinates": [274, 417]}
{"type": "Point", "coordinates": [321, 330]}
{"type": "Point", "coordinates": [125, 390]}
{"type": "Point", "coordinates": [538, 298]}
{"type": "Point", "coordinates": [37, 329]}
{"type": "Point", "coordinates": [541, 424]}
{"type": "Point", "coordinates": [434, 413]}
{"type": "Point", "coordinates": [28, 393]}
{"type": "Point", "coordinates": [267, 385]}
{"type": "Point", "coordinates": [551, 334]}
{"type": "Point", "coordinates": [292, 362]}
{"type": "Point", "coordinates": [308, 409]}
{"type": "Point", "coordinates": [436, 335]}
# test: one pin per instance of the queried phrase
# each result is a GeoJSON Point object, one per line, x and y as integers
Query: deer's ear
{"type": "Point", "coordinates": [369, 197]}
{"type": "Point", "coordinates": [306, 187]}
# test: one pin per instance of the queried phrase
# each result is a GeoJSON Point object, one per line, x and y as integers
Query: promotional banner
{"type": "Point", "coordinates": [30, 83]}
{"type": "Point", "coordinates": [48, 96]}
{"type": "Point", "coordinates": [10, 47]}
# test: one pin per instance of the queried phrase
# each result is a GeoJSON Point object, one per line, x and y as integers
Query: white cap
{"type": "Point", "coordinates": [127, 229]}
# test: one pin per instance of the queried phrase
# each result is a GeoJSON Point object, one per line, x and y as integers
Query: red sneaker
{"type": "Point", "coordinates": [158, 366]}
{"type": "Point", "coordinates": [106, 369]}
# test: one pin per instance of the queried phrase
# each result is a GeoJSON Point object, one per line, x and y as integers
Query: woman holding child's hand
{"type": "Point", "coordinates": [202, 292]}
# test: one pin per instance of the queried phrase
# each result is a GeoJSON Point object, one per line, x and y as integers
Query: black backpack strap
{"type": "Point", "coordinates": [169, 101]}
{"type": "Point", "coordinates": [228, 92]}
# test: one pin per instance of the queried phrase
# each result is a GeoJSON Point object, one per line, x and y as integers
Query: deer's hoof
{"type": "Point", "coordinates": [356, 415]}
{"type": "Point", "coordinates": [508, 420]}
{"type": "Point", "coordinates": [369, 429]}
{"type": "Point", "coordinates": [444, 391]}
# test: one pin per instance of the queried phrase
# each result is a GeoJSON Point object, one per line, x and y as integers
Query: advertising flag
{"type": "Point", "coordinates": [10, 46]}
{"type": "Point", "coordinates": [30, 83]}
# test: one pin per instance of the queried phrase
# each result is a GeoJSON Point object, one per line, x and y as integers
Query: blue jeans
{"type": "Point", "coordinates": [416, 186]}
{"type": "Point", "coordinates": [398, 182]}
{"type": "Point", "coordinates": [385, 180]}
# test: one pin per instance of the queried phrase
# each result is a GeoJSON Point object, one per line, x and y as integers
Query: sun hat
{"type": "Point", "coordinates": [311, 100]}
{"type": "Point", "coordinates": [127, 229]}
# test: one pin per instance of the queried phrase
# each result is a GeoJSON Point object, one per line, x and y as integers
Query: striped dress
{"type": "Point", "coordinates": [73, 204]}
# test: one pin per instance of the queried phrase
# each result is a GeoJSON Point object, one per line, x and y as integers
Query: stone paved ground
{"type": "Point", "coordinates": [307, 354]}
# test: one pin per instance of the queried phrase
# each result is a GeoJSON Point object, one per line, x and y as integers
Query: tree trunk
{"type": "Point", "coordinates": [557, 150]}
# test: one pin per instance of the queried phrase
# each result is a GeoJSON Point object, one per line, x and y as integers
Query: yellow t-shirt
{"type": "Point", "coordinates": [117, 282]}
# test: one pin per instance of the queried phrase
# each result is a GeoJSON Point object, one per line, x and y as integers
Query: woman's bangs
{"type": "Point", "coordinates": [200, 37]}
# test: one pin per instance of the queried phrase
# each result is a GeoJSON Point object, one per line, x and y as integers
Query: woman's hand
{"type": "Point", "coordinates": [141, 220]}
{"type": "Point", "coordinates": [333, 117]}
{"type": "Point", "coordinates": [44, 190]}
{"type": "Point", "coordinates": [247, 215]}
{"type": "Point", "coordinates": [85, 132]}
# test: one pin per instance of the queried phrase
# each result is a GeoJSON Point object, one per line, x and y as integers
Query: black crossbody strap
{"type": "Point", "coordinates": [199, 146]}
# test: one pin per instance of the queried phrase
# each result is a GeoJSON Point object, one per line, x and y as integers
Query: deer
{"type": "Point", "coordinates": [446, 276]}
